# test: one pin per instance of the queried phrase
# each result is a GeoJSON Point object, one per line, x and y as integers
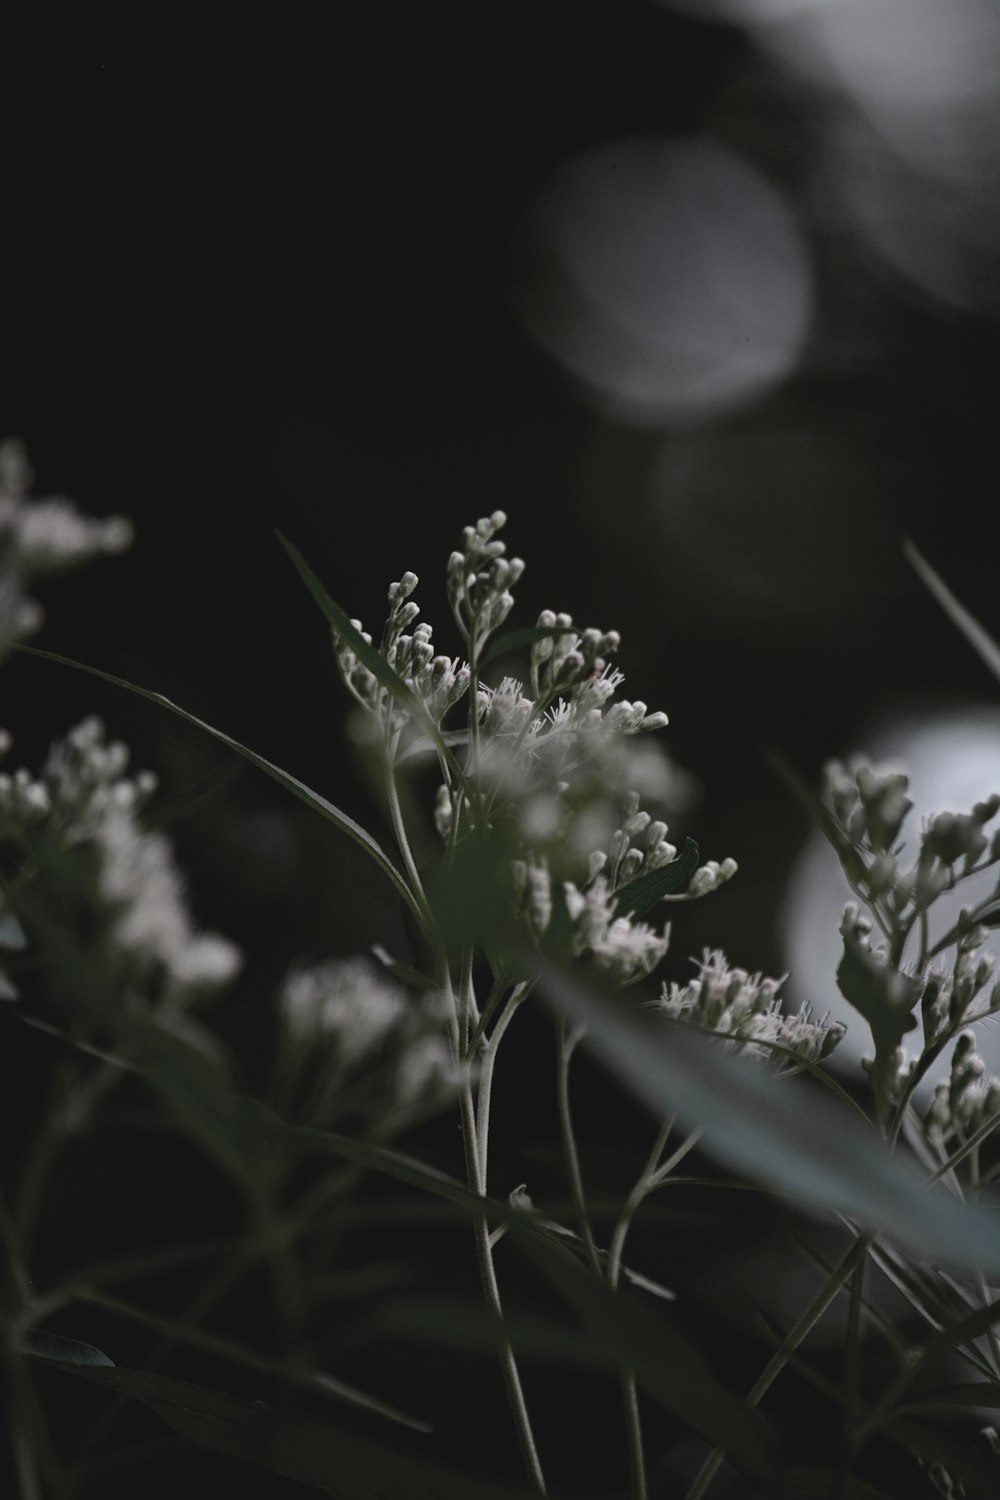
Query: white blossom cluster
{"type": "Point", "coordinates": [544, 761]}
{"type": "Point", "coordinates": [480, 579]}
{"type": "Point", "coordinates": [623, 949]}
{"type": "Point", "coordinates": [966, 994]}
{"type": "Point", "coordinates": [970, 1097]}
{"type": "Point", "coordinates": [354, 1043]}
{"type": "Point", "coordinates": [438, 681]}
{"type": "Point", "coordinates": [39, 538]}
{"type": "Point", "coordinates": [746, 1010]}
{"type": "Point", "coordinates": [84, 800]}
{"type": "Point", "coordinates": [870, 805]}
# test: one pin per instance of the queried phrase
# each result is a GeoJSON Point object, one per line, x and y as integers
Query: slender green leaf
{"type": "Point", "coordinates": [305, 794]}
{"type": "Point", "coordinates": [53, 1347]}
{"type": "Point", "coordinates": [343, 1464]}
{"type": "Point", "coordinates": [642, 894]}
{"type": "Point", "coordinates": [376, 663]}
{"type": "Point", "coordinates": [981, 642]}
{"type": "Point", "coordinates": [777, 1131]}
{"type": "Point", "coordinates": [851, 861]}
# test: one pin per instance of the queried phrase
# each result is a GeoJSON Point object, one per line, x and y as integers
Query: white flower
{"type": "Point", "coordinates": [746, 1010]}
{"type": "Point", "coordinates": [39, 538]}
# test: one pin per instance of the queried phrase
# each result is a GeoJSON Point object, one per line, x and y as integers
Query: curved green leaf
{"type": "Point", "coordinates": [305, 794]}
{"type": "Point", "coordinates": [642, 894]}
{"type": "Point", "coordinates": [54, 1348]}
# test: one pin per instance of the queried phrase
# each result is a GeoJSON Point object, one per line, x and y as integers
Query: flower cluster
{"type": "Point", "coordinates": [746, 1010]}
{"type": "Point", "coordinates": [84, 802]}
{"type": "Point", "coordinates": [969, 1098]}
{"type": "Point", "coordinates": [480, 579]}
{"type": "Point", "coordinates": [438, 681]}
{"type": "Point", "coordinates": [870, 806]}
{"type": "Point", "coordinates": [39, 538]}
{"type": "Point", "coordinates": [352, 1043]}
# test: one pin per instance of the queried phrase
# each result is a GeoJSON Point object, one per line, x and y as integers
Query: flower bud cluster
{"type": "Point", "coordinates": [129, 883]}
{"type": "Point", "coordinates": [967, 994]}
{"type": "Point", "coordinates": [353, 1043]}
{"type": "Point", "coordinates": [871, 806]}
{"type": "Point", "coordinates": [624, 950]}
{"type": "Point", "coordinates": [637, 847]}
{"type": "Point", "coordinates": [480, 579]}
{"type": "Point", "coordinates": [438, 681]}
{"type": "Point", "coordinates": [969, 1098]}
{"type": "Point", "coordinates": [565, 661]}
{"type": "Point", "coordinates": [40, 538]}
{"type": "Point", "coordinates": [746, 1010]}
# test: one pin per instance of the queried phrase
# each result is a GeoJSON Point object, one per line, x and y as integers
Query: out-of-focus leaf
{"type": "Point", "coordinates": [320, 1382]}
{"type": "Point", "coordinates": [776, 1131]}
{"type": "Point", "coordinates": [666, 1364]}
{"type": "Point", "coordinates": [980, 1393]}
{"type": "Point", "coordinates": [812, 1482]}
{"type": "Point", "coordinates": [12, 938]}
{"type": "Point", "coordinates": [291, 784]}
{"type": "Point", "coordinates": [615, 1332]}
{"type": "Point", "coordinates": [981, 642]}
{"type": "Point", "coordinates": [470, 895]}
{"type": "Point", "coordinates": [342, 1464]}
{"type": "Point", "coordinates": [965, 1456]}
{"type": "Point", "coordinates": [642, 894]}
{"type": "Point", "coordinates": [514, 640]}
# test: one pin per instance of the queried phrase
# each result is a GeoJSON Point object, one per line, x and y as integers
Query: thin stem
{"type": "Point", "coordinates": [565, 1047]}
{"type": "Point", "coordinates": [416, 892]}
{"type": "Point", "coordinates": [633, 1433]}
{"type": "Point", "coordinates": [485, 1099]}
{"type": "Point", "coordinates": [491, 1292]}
{"type": "Point", "coordinates": [630, 1396]}
{"type": "Point", "coordinates": [852, 1370]}
{"type": "Point", "coordinates": [837, 1279]}
{"type": "Point", "coordinates": [643, 1186]}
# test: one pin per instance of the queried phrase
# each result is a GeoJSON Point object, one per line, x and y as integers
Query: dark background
{"type": "Point", "coordinates": [266, 274]}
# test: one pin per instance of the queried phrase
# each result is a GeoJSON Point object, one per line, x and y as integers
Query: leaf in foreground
{"type": "Point", "coordinates": [777, 1132]}
{"type": "Point", "coordinates": [341, 1463]}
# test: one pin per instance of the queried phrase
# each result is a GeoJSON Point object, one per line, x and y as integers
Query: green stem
{"type": "Point", "coordinates": [491, 1293]}
{"type": "Point", "coordinates": [643, 1186]}
{"type": "Point", "coordinates": [565, 1047]}
{"type": "Point", "coordinates": [485, 1099]}
{"type": "Point", "coordinates": [837, 1279]}
{"type": "Point", "coordinates": [630, 1396]}
{"type": "Point", "coordinates": [852, 1371]}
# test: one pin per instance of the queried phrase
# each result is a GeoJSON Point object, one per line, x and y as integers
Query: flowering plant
{"type": "Point", "coordinates": [535, 881]}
